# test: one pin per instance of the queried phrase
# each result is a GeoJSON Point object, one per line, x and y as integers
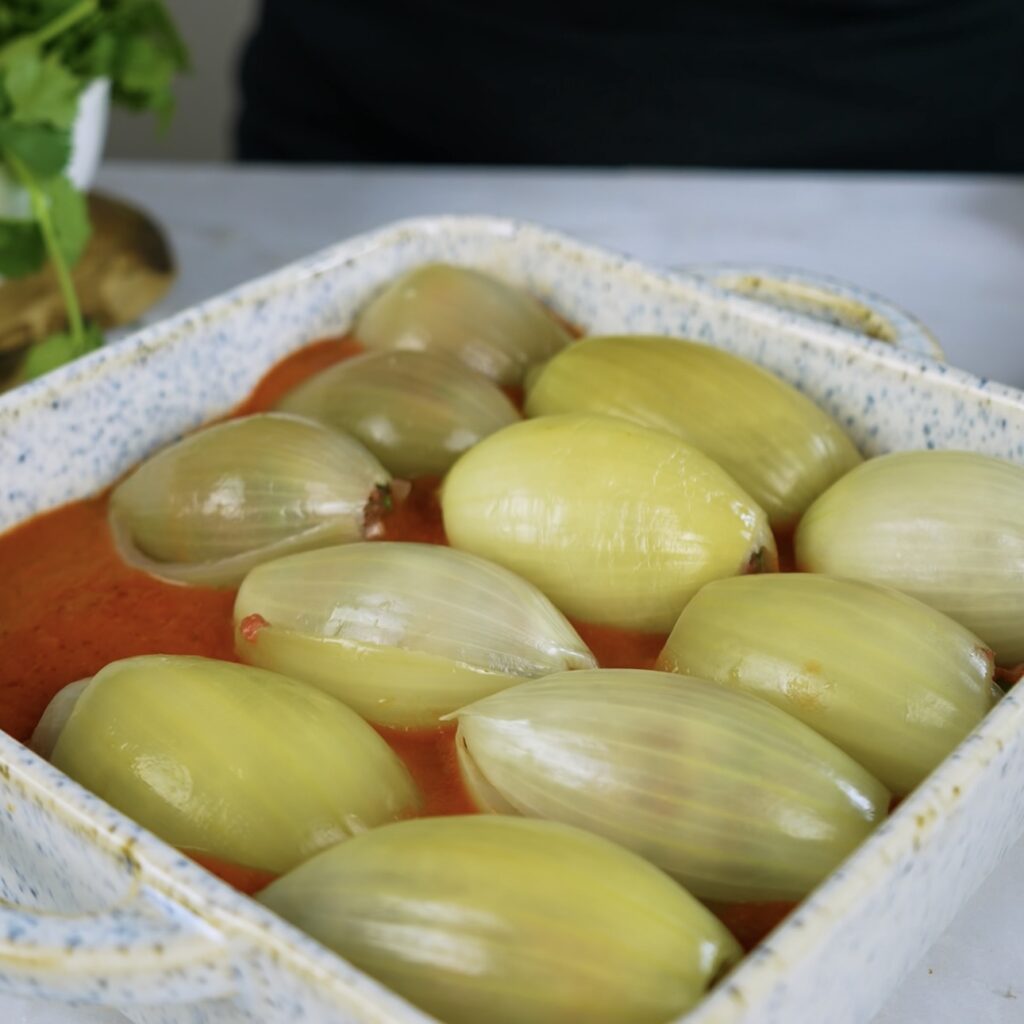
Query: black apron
{"type": "Point", "coordinates": [855, 84]}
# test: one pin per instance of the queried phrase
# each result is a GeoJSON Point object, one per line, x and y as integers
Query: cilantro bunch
{"type": "Point", "coordinates": [50, 51]}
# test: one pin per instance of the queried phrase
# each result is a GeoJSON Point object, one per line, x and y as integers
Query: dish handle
{"type": "Point", "coordinates": [825, 299]}
{"type": "Point", "coordinates": [144, 950]}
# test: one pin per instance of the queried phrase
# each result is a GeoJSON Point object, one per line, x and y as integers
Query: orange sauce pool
{"type": "Point", "coordinates": [69, 606]}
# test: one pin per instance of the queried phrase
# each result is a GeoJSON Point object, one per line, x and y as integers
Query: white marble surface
{"type": "Point", "coordinates": [950, 250]}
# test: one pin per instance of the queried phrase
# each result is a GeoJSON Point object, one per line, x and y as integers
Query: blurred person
{"type": "Point", "coordinates": [817, 84]}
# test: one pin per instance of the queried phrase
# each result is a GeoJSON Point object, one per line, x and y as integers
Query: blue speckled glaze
{"type": "Point", "coordinates": [96, 909]}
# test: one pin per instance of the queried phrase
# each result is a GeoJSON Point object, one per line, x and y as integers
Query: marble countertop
{"type": "Point", "coordinates": [948, 249]}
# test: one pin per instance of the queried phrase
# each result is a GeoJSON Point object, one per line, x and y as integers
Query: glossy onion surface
{"type": "Point", "coordinates": [494, 329]}
{"type": "Point", "coordinates": [736, 799]}
{"type": "Point", "coordinates": [944, 527]}
{"type": "Point", "coordinates": [402, 633]}
{"type": "Point", "coordinates": [231, 761]}
{"type": "Point", "coordinates": [617, 523]}
{"type": "Point", "coordinates": [415, 411]}
{"type": "Point", "coordinates": [510, 922]}
{"type": "Point", "coordinates": [774, 441]}
{"type": "Point", "coordinates": [209, 508]}
{"type": "Point", "coordinates": [891, 681]}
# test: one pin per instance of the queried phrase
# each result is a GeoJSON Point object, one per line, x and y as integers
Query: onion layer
{"type": "Point", "coordinates": [510, 922]}
{"type": "Point", "coordinates": [734, 798]}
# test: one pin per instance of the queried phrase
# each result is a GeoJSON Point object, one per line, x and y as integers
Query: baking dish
{"type": "Point", "coordinates": [95, 909]}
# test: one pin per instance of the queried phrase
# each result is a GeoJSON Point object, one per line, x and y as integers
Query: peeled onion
{"type": "Point", "coordinates": [891, 681]}
{"type": "Point", "coordinates": [207, 509]}
{"type": "Point", "coordinates": [617, 523]}
{"type": "Point", "coordinates": [508, 921]}
{"type": "Point", "coordinates": [415, 411]}
{"type": "Point", "coordinates": [944, 527]}
{"type": "Point", "coordinates": [774, 441]}
{"type": "Point", "coordinates": [731, 796]}
{"type": "Point", "coordinates": [497, 330]}
{"type": "Point", "coordinates": [230, 761]}
{"type": "Point", "coordinates": [402, 633]}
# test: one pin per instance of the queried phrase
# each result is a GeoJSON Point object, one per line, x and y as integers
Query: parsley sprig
{"type": "Point", "coordinates": [50, 51]}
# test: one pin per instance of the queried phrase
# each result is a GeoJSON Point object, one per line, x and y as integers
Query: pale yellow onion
{"type": "Point", "coordinates": [734, 798]}
{"type": "Point", "coordinates": [54, 718]}
{"type": "Point", "coordinates": [617, 523]}
{"type": "Point", "coordinates": [207, 509]}
{"type": "Point", "coordinates": [506, 921]}
{"type": "Point", "coordinates": [774, 441]}
{"type": "Point", "coordinates": [944, 527]}
{"type": "Point", "coordinates": [231, 761]}
{"type": "Point", "coordinates": [493, 328]}
{"type": "Point", "coordinates": [402, 633]}
{"type": "Point", "coordinates": [891, 681]}
{"type": "Point", "coordinates": [415, 411]}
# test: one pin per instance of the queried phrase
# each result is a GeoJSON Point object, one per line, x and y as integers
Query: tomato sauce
{"type": "Point", "coordinates": [247, 880]}
{"type": "Point", "coordinates": [751, 922]}
{"type": "Point", "coordinates": [69, 606]}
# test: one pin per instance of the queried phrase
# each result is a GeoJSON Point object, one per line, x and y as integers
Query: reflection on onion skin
{"type": "Point", "coordinates": [509, 921]}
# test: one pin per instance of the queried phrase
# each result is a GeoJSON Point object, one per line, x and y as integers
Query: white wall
{"type": "Point", "coordinates": [207, 97]}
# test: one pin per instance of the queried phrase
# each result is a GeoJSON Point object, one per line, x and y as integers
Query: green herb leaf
{"type": "Point", "coordinates": [22, 250]}
{"type": "Point", "coordinates": [58, 349]}
{"type": "Point", "coordinates": [45, 150]}
{"type": "Point", "coordinates": [146, 71]}
{"type": "Point", "coordinates": [133, 43]}
{"type": "Point", "coordinates": [40, 91]}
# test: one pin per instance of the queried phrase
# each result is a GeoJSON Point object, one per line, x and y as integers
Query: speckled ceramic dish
{"type": "Point", "coordinates": [95, 909]}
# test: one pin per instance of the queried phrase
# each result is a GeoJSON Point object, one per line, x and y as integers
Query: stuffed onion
{"type": "Point", "coordinates": [617, 523]}
{"type": "Point", "coordinates": [415, 411]}
{"type": "Point", "coordinates": [775, 442]}
{"type": "Point", "coordinates": [494, 329]}
{"type": "Point", "coordinates": [207, 509]}
{"type": "Point", "coordinates": [402, 633]}
{"type": "Point", "coordinates": [510, 922]}
{"type": "Point", "coordinates": [944, 527]}
{"type": "Point", "coordinates": [891, 681]}
{"type": "Point", "coordinates": [230, 761]}
{"type": "Point", "coordinates": [734, 798]}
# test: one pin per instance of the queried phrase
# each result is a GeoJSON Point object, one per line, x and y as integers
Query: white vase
{"type": "Point", "coordinates": [88, 136]}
